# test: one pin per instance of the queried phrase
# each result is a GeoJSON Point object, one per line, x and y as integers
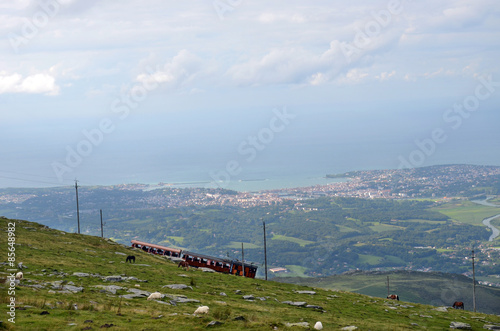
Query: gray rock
{"type": "Point", "coordinates": [113, 279]}
{"type": "Point", "coordinates": [349, 328]}
{"type": "Point", "coordinates": [38, 286]}
{"type": "Point", "coordinates": [238, 292]}
{"type": "Point", "coordinates": [297, 304]}
{"type": "Point", "coordinates": [178, 287]}
{"type": "Point", "coordinates": [206, 269]}
{"type": "Point", "coordinates": [441, 309]}
{"type": "Point", "coordinates": [248, 297]}
{"type": "Point", "coordinates": [139, 292]}
{"type": "Point", "coordinates": [162, 302]}
{"type": "Point", "coordinates": [110, 288]}
{"type": "Point", "coordinates": [131, 296]}
{"type": "Point", "coordinates": [491, 327]}
{"type": "Point", "coordinates": [460, 326]}
{"type": "Point", "coordinates": [305, 292]}
{"type": "Point", "coordinates": [71, 288]}
{"type": "Point", "coordinates": [120, 253]}
{"type": "Point", "coordinates": [65, 292]}
{"type": "Point", "coordinates": [223, 294]}
{"type": "Point", "coordinates": [185, 300]}
{"type": "Point", "coordinates": [135, 279]}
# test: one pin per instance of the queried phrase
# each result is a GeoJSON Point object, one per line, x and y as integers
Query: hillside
{"type": "Point", "coordinates": [79, 282]}
{"type": "Point", "coordinates": [438, 289]}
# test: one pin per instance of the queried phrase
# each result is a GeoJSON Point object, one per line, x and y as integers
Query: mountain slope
{"type": "Point", "coordinates": [67, 271]}
{"type": "Point", "coordinates": [439, 289]}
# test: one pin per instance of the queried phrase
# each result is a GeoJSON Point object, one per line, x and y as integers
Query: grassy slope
{"type": "Point", "coordinates": [41, 249]}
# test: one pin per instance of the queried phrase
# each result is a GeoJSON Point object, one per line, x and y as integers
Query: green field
{"type": "Point", "coordinates": [467, 212]}
{"type": "Point", "coordinates": [301, 242]}
{"type": "Point", "coordinates": [237, 245]}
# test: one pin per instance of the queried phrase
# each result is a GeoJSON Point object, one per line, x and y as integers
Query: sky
{"type": "Point", "coordinates": [123, 91]}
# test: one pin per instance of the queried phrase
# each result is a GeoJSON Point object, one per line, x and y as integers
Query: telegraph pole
{"type": "Point", "coordinates": [102, 230]}
{"type": "Point", "coordinates": [388, 292]}
{"type": "Point", "coordinates": [265, 248]}
{"type": "Point", "coordinates": [77, 207]}
{"type": "Point", "coordinates": [243, 259]}
{"type": "Point", "coordinates": [473, 282]}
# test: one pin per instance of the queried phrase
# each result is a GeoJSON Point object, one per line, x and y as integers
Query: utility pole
{"type": "Point", "coordinates": [77, 207]}
{"type": "Point", "coordinates": [102, 230]}
{"type": "Point", "coordinates": [243, 259]}
{"type": "Point", "coordinates": [265, 248]}
{"type": "Point", "coordinates": [473, 282]}
{"type": "Point", "coordinates": [388, 292]}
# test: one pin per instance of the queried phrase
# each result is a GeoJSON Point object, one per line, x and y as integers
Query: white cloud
{"type": "Point", "coordinates": [181, 69]}
{"type": "Point", "coordinates": [34, 84]}
{"type": "Point", "coordinates": [269, 17]}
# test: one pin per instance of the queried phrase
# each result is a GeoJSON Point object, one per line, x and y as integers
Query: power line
{"type": "Point", "coordinates": [31, 180]}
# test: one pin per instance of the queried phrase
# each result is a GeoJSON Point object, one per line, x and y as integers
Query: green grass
{"type": "Point", "coordinates": [179, 240]}
{"type": "Point", "coordinates": [467, 212]}
{"type": "Point", "coordinates": [345, 229]}
{"type": "Point", "coordinates": [380, 227]}
{"type": "Point", "coordinates": [237, 245]}
{"type": "Point", "coordinates": [370, 259]}
{"type": "Point", "coordinates": [301, 242]}
{"type": "Point", "coordinates": [422, 221]}
{"type": "Point", "coordinates": [45, 251]}
{"type": "Point", "coordinates": [297, 270]}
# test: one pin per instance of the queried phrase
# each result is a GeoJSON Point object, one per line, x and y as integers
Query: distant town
{"type": "Point", "coordinates": [429, 182]}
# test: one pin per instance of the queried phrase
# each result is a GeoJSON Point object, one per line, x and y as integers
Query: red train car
{"type": "Point", "coordinates": [220, 265]}
{"type": "Point", "coordinates": [228, 266]}
{"type": "Point", "coordinates": [156, 249]}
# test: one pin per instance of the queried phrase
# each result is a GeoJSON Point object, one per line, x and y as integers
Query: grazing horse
{"type": "Point", "coordinates": [458, 305]}
{"type": "Point", "coordinates": [183, 264]}
{"type": "Point", "coordinates": [130, 258]}
{"type": "Point", "coordinates": [393, 297]}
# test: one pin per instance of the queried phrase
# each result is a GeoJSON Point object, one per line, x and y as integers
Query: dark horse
{"type": "Point", "coordinates": [458, 305]}
{"type": "Point", "coordinates": [130, 258]}
{"type": "Point", "coordinates": [393, 297]}
{"type": "Point", "coordinates": [183, 264]}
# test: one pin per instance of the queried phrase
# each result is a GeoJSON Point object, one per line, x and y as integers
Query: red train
{"type": "Point", "coordinates": [223, 265]}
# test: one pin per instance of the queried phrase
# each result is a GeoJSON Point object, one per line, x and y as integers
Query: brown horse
{"type": "Point", "coordinates": [458, 305]}
{"type": "Point", "coordinates": [183, 264]}
{"type": "Point", "coordinates": [393, 297]}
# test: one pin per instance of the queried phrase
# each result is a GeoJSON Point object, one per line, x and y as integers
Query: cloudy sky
{"type": "Point", "coordinates": [135, 86]}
